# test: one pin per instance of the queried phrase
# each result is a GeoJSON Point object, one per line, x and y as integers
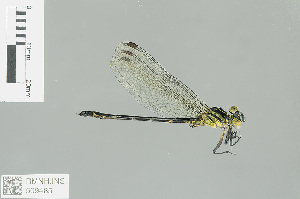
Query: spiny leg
{"type": "Point", "coordinates": [231, 135]}
{"type": "Point", "coordinates": [235, 136]}
{"type": "Point", "coordinates": [219, 144]}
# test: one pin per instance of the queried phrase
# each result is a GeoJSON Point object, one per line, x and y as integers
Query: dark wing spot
{"type": "Point", "coordinates": [132, 45]}
{"type": "Point", "coordinates": [127, 52]}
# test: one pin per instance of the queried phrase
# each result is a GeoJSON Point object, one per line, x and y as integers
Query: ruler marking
{"type": "Point", "coordinates": [20, 20]}
{"type": "Point", "coordinates": [20, 12]}
{"type": "Point", "coordinates": [20, 43]}
{"type": "Point", "coordinates": [21, 35]}
{"type": "Point", "coordinates": [20, 27]}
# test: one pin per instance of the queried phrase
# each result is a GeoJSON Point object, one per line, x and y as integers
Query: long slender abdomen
{"type": "Point", "coordinates": [138, 118]}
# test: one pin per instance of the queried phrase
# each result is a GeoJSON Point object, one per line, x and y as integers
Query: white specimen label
{"type": "Point", "coordinates": [35, 186]}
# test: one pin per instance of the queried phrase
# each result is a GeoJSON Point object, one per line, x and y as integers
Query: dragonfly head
{"type": "Point", "coordinates": [237, 116]}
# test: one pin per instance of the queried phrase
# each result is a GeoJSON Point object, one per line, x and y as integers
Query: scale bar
{"type": "Point", "coordinates": [11, 64]}
{"type": "Point", "coordinates": [22, 52]}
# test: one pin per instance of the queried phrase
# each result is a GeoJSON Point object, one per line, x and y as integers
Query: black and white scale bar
{"type": "Point", "coordinates": [22, 52]}
{"type": "Point", "coordinates": [16, 43]}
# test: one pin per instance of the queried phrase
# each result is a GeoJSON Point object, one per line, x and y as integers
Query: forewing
{"type": "Point", "coordinates": [151, 85]}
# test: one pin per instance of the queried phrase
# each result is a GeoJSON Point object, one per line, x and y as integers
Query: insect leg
{"type": "Point", "coordinates": [235, 136]}
{"type": "Point", "coordinates": [219, 144]}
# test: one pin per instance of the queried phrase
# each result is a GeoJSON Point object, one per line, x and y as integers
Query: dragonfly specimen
{"type": "Point", "coordinates": [162, 93]}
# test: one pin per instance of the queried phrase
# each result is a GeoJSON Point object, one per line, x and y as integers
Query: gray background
{"type": "Point", "coordinates": [243, 53]}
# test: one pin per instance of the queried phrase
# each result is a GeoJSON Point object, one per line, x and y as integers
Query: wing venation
{"type": "Point", "coordinates": [151, 85]}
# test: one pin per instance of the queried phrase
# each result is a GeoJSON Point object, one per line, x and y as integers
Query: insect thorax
{"type": "Point", "coordinates": [216, 117]}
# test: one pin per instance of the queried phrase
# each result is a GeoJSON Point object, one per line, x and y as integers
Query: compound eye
{"type": "Point", "coordinates": [237, 114]}
{"type": "Point", "coordinates": [243, 119]}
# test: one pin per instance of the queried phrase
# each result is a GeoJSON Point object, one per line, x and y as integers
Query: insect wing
{"type": "Point", "coordinates": [151, 85]}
